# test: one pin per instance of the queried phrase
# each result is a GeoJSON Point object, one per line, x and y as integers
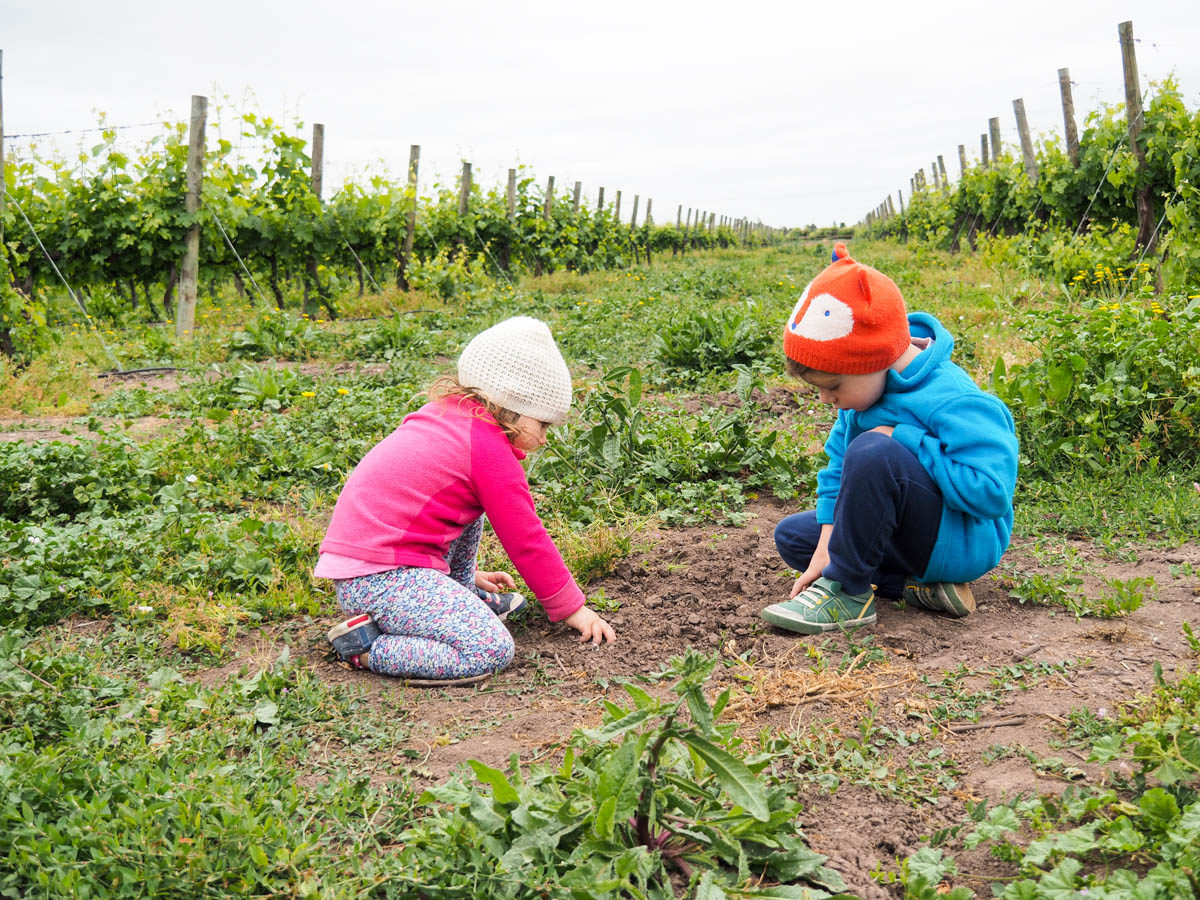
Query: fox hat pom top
{"type": "Point", "coordinates": [850, 320]}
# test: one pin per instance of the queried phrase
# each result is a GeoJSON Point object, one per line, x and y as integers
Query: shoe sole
{"type": "Point", "coordinates": [348, 626]}
{"type": "Point", "coordinates": [782, 618]}
{"type": "Point", "coordinates": [956, 599]}
{"type": "Point", "coordinates": [513, 609]}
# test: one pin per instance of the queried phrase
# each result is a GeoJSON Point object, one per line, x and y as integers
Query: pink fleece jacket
{"type": "Point", "coordinates": [416, 490]}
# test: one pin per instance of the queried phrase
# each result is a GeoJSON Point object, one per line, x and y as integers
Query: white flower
{"type": "Point", "coordinates": [1102, 712]}
{"type": "Point", "coordinates": [191, 479]}
{"type": "Point", "coordinates": [143, 609]}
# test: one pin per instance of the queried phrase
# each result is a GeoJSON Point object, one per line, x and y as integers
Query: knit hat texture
{"type": "Point", "coordinates": [517, 365]}
{"type": "Point", "coordinates": [850, 320]}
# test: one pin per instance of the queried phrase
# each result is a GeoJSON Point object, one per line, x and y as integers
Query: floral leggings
{"type": "Point", "coordinates": [434, 625]}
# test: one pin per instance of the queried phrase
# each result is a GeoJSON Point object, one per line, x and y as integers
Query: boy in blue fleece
{"type": "Point", "coordinates": [917, 498]}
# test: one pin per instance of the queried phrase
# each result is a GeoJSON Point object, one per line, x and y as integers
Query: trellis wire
{"type": "Point", "coordinates": [237, 255]}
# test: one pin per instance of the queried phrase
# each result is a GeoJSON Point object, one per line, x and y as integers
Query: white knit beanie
{"type": "Point", "coordinates": [517, 365]}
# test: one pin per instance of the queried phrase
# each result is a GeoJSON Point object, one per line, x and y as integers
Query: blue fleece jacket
{"type": "Point", "coordinates": [962, 436]}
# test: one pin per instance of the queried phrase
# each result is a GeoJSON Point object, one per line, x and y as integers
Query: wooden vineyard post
{"type": "Point", "coordinates": [942, 171]}
{"type": "Point", "coordinates": [410, 227]}
{"type": "Point", "coordinates": [633, 229]}
{"type": "Point", "coordinates": [679, 217]}
{"type": "Point", "coordinates": [318, 159]}
{"type": "Point", "coordinates": [900, 197]}
{"type": "Point", "coordinates": [464, 196]}
{"type": "Point", "coordinates": [1031, 167]}
{"type": "Point", "coordinates": [649, 206]}
{"type": "Point", "coordinates": [504, 246]}
{"type": "Point", "coordinates": [548, 205]}
{"type": "Point", "coordinates": [1068, 105]}
{"type": "Point", "coordinates": [575, 199]}
{"type": "Point", "coordinates": [1143, 198]}
{"type": "Point", "coordinates": [600, 201]}
{"type": "Point", "coordinates": [994, 130]}
{"type": "Point", "coordinates": [617, 207]}
{"type": "Point", "coordinates": [312, 280]}
{"type": "Point", "coordinates": [962, 161]}
{"type": "Point", "coordinates": [983, 150]}
{"type": "Point", "coordinates": [464, 191]}
{"type": "Point", "coordinates": [185, 311]}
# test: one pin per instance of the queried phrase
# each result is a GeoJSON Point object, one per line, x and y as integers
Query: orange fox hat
{"type": "Point", "coordinates": [850, 320]}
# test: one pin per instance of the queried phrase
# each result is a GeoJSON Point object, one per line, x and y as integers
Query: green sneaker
{"type": "Point", "coordinates": [822, 606]}
{"type": "Point", "coordinates": [940, 596]}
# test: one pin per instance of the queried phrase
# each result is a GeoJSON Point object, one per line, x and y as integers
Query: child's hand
{"type": "Point", "coordinates": [494, 582]}
{"type": "Point", "coordinates": [590, 626]}
{"type": "Point", "coordinates": [809, 575]}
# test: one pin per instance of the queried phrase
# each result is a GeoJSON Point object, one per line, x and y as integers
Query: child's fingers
{"type": "Point", "coordinates": [597, 632]}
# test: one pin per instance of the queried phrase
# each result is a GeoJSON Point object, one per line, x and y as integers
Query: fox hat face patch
{"type": "Point", "coordinates": [826, 319]}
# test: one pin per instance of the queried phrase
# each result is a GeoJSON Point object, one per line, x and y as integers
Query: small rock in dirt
{"type": "Point", "coordinates": [673, 629]}
{"type": "Point", "coordinates": [745, 611]}
{"type": "Point", "coordinates": [695, 619]}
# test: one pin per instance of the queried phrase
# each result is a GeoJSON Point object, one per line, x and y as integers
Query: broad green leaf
{"type": "Point", "coordinates": [707, 890]}
{"type": "Point", "coordinates": [930, 863]}
{"type": "Point", "coordinates": [737, 780]}
{"type": "Point", "coordinates": [1060, 882]}
{"type": "Point", "coordinates": [502, 789]}
{"type": "Point", "coordinates": [1061, 380]}
{"type": "Point", "coordinates": [266, 713]}
{"type": "Point", "coordinates": [604, 818]}
{"type": "Point", "coordinates": [615, 729]}
{"type": "Point", "coordinates": [1159, 809]}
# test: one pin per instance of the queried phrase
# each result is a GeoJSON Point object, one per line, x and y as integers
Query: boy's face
{"type": "Point", "coordinates": [856, 392]}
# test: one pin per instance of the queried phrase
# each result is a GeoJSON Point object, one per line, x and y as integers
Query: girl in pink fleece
{"type": "Point", "coordinates": [402, 544]}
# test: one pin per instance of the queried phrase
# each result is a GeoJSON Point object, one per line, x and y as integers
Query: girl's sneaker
{"type": "Point", "coordinates": [353, 637]}
{"type": "Point", "coordinates": [822, 606]}
{"type": "Point", "coordinates": [503, 605]}
{"type": "Point", "coordinates": [941, 596]}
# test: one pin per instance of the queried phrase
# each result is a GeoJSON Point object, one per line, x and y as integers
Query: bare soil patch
{"type": "Point", "coordinates": [704, 587]}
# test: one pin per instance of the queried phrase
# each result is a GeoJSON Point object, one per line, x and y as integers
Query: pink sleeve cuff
{"type": "Point", "coordinates": [564, 601]}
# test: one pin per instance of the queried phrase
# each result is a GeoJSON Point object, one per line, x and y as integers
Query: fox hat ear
{"type": "Point", "coordinates": [850, 320]}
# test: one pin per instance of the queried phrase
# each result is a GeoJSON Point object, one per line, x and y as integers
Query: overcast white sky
{"type": "Point", "coordinates": [787, 112]}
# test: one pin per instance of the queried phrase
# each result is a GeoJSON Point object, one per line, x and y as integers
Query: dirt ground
{"type": "Point", "coordinates": [704, 588]}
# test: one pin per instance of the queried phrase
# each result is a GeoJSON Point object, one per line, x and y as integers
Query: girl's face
{"type": "Point", "coordinates": [531, 434]}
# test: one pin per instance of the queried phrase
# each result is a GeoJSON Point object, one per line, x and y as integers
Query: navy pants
{"type": "Point", "coordinates": [885, 521]}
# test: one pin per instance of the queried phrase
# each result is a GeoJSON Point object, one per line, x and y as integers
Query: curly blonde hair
{"type": "Point", "coordinates": [448, 385]}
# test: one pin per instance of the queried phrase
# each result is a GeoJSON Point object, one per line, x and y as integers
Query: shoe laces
{"type": "Point", "coordinates": [814, 596]}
